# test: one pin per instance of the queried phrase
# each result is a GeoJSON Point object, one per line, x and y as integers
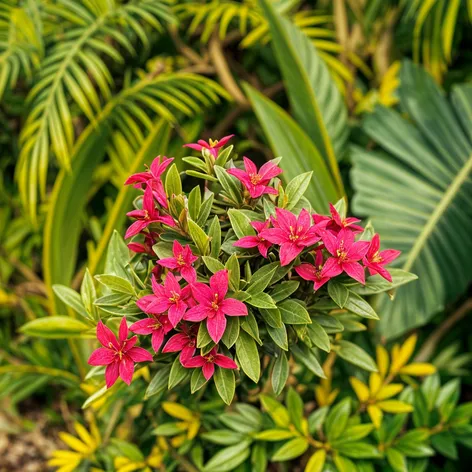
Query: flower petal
{"type": "Point", "coordinates": [288, 252]}
{"type": "Point", "coordinates": [225, 362]}
{"type": "Point", "coordinates": [208, 370]}
{"type": "Point", "coordinates": [197, 361]}
{"type": "Point", "coordinates": [219, 283]}
{"type": "Point", "coordinates": [106, 336]}
{"type": "Point", "coordinates": [197, 313]}
{"type": "Point", "coordinates": [354, 270]}
{"type": "Point", "coordinates": [146, 326]}
{"type": "Point", "coordinates": [111, 374]}
{"type": "Point", "coordinates": [233, 307]}
{"type": "Point", "coordinates": [138, 354]}
{"type": "Point", "coordinates": [156, 339]}
{"type": "Point", "coordinates": [126, 369]}
{"type": "Point", "coordinates": [123, 331]}
{"type": "Point", "coordinates": [176, 343]}
{"type": "Point", "coordinates": [101, 356]}
{"type": "Point", "coordinates": [216, 327]}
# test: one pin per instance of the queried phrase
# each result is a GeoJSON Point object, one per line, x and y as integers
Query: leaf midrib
{"type": "Point", "coordinates": [452, 190]}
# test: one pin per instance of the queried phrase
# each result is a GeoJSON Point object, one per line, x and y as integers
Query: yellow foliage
{"type": "Point", "coordinates": [401, 356]}
{"type": "Point", "coordinates": [394, 406]}
{"type": "Point", "coordinates": [418, 369]}
{"type": "Point", "coordinates": [360, 388]}
{"type": "Point", "coordinates": [316, 462]}
{"type": "Point", "coordinates": [375, 414]}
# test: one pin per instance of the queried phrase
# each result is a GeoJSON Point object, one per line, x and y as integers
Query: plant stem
{"type": "Point", "coordinates": [183, 462]}
{"type": "Point", "coordinates": [430, 345]}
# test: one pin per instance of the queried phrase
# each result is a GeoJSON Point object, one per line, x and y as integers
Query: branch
{"type": "Point", "coordinates": [432, 342]}
{"type": "Point", "coordinates": [222, 70]}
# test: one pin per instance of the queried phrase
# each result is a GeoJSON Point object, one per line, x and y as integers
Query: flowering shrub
{"type": "Point", "coordinates": [239, 270]}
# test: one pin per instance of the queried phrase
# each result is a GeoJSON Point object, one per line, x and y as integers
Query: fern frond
{"type": "Point", "coordinates": [21, 47]}
{"type": "Point", "coordinates": [95, 34]}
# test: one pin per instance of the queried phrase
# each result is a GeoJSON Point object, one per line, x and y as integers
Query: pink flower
{"type": "Point", "coordinates": [291, 233]}
{"type": "Point", "coordinates": [146, 247]}
{"type": "Point", "coordinates": [148, 215]}
{"type": "Point", "coordinates": [168, 297]}
{"type": "Point", "coordinates": [152, 178]}
{"type": "Point", "coordinates": [207, 362]}
{"type": "Point", "coordinates": [256, 241]}
{"type": "Point", "coordinates": [256, 182]}
{"type": "Point", "coordinates": [337, 223]}
{"type": "Point", "coordinates": [345, 254]}
{"type": "Point", "coordinates": [184, 342]}
{"type": "Point", "coordinates": [375, 260]}
{"type": "Point", "coordinates": [158, 327]}
{"type": "Point", "coordinates": [119, 355]}
{"type": "Point", "coordinates": [213, 305]}
{"type": "Point", "coordinates": [213, 146]}
{"type": "Point", "coordinates": [182, 261]}
{"type": "Point", "coordinates": [313, 272]}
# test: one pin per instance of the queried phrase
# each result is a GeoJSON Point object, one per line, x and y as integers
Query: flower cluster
{"type": "Point", "coordinates": [194, 292]}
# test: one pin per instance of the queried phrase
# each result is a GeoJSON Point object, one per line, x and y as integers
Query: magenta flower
{"type": "Point", "coordinates": [207, 363]}
{"type": "Point", "coordinates": [184, 342]}
{"type": "Point", "coordinates": [152, 178]}
{"type": "Point", "coordinates": [119, 355]}
{"type": "Point", "coordinates": [158, 327]}
{"type": "Point", "coordinates": [168, 297]}
{"type": "Point", "coordinates": [345, 254]}
{"type": "Point", "coordinates": [182, 261]}
{"type": "Point", "coordinates": [375, 260]}
{"type": "Point", "coordinates": [213, 146]}
{"type": "Point", "coordinates": [313, 272]}
{"type": "Point", "coordinates": [256, 241]}
{"type": "Point", "coordinates": [291, 233]}
{"type": "Point", "coordinates": [337, 223]}
{"type": "Point", "coordinates": [256, 182]}
{"type": "Point", "coordinates": [148, 215]}
{"type": "Point", "coordinates": [213, 306]}
{"type": "Point", "coordinates": [145, 247]}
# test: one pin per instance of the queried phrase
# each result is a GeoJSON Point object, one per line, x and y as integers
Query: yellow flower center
{"type": "Point", "coordinates": [376, 257]}
{"type": "Point", "coordinates": [180, 260]}
{"type": "Point", "coordinates": [213, 143]}
{"type": "Point", "coordinates": [255, 178]}
{"type": "Point", "coordinates": [175, 297]}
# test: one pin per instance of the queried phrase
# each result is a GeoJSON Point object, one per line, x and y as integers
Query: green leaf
{"type": "Point", "coordinates": [296, 188]}
{"type": "Point", "coordinates": [194, 202]}
{"type": "Point", "coordinates": [205, 211]}
{"type": "Point", "coordinates": [357, 305]}
{"type": "Point", "coordinates": [444, 444]}
{"type": "Point", "coordinates": [230, 184]}
{"type": "Point", "coordinates": [231, 332]}
{"type": "Point", "coordinates": [316, 461]}
{"type": "Point", "coordinates": [284, 290]}
{"type": "Point", "coordinates": [431, 229]}
{"type": "Point", "coordinates": [225, 384]}
{"type": "Point", "coordinates": [177, 373]}
{"type": "Point", "coordinates": [338, 292]}
{"type": "Point", "coordinates": [295, 408]}
{"type": "Point", "coordinates": [234, 271]}
{"type": "Point", "coordinates": [214, 233]}
{"type": "Point", "coordinates": [173, 184]}
{"type": "Point", "coordinates": [262, 300]}
{"type": "Point", "coordinates": [261, 278]}
{"type": "Point", "coordinates": [396, 460]}
{"type": "Point", "coordinates": [279, 336]}
{"type": "Point", "coordinates": [280, 373]}
{"type": "Point", "coordinates": [291, 449]}
{"type": "Point", "coordinates": [358, 450]}
{"type": "Point", "coordinates": [248, 356]}
{"type": "Point", "coordinates": [203, 336]}
{"type": "Point", "coordinates": [314, 97]}
{"type": "Point", "coordinates": [69, 197]}
{"type": "Point", "coordinates": [159, 382]}
{"type": "Point", "coordinates": [229, 458]}
{"type": "Point", "coordinates": [272, 317]}
{"type": "Point", "coordinates": [199, 237]}
{"type": "Point", "coordinates": [293, 312]}
{"type": "Point", "coordinates": [354, 433]}
{"type": "Point", "coordinates": [376, 284]}
{"type": "Point", "coordinates": [213, 265]}
{"type": "Point", "coordinates": [223, 437]}
{"type": "Point", "coordinates": [168, 429]}
{"type": "Point", "coordinates": [275, 435]}
{"type": "Point", "coordinates": [240, 223]}
{"type": "Point", "coordinates": [197, 381]}
{"type": "Point", "coordinates": [355, 355]}
{"type": "Point", "coordinates": [55, 327]}
{"type": "Point", "coordinates": [286, 138]}
{"type": "Point", "coordinates": [317, 419]}
{"type": "Point", "coordinates": [115, 283]}
{"type": "Point", "coordinates": [318, 336]}
{"type": "Point", "coordinates": [249, 324]}
{"type": "Point", "coordinates": [71, 298]}
{"type": "Point", "coordinates": [88, 294]}
{"type": "Point", "coordinates": [307, 357]}
{"type": "Point", "coordinates": [336, 421]}
{"type": "Point", "coordinates": [276, 411]}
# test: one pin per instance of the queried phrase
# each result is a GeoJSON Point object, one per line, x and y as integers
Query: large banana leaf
{"type": "Point", "coordinates": [316, 101]}
{"type": "Point", "coordinates": [299, 153]}
{"type": "Point", "coordinates": [419, 195]}
{"type": "Point", "coordinates": [155, 143]}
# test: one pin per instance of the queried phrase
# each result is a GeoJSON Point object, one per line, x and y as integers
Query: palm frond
{"type": "Point", "coordinates": [95, 34]}
{"type": "Point", "coordinates": [246, 16]}
{"type": "Point", "coordinates": [21, 46]}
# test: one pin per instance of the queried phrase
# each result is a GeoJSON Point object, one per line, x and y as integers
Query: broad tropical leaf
{"type": "Point", "coordinates": [317, 103]}
{"type": "Point", "coordinates": [299, 153]}
{"type": "Point", "coordinates": [419, 196]}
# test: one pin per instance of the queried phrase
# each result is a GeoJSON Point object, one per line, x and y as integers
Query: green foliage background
{"type": "Point", "coordinates": [373, 96]}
